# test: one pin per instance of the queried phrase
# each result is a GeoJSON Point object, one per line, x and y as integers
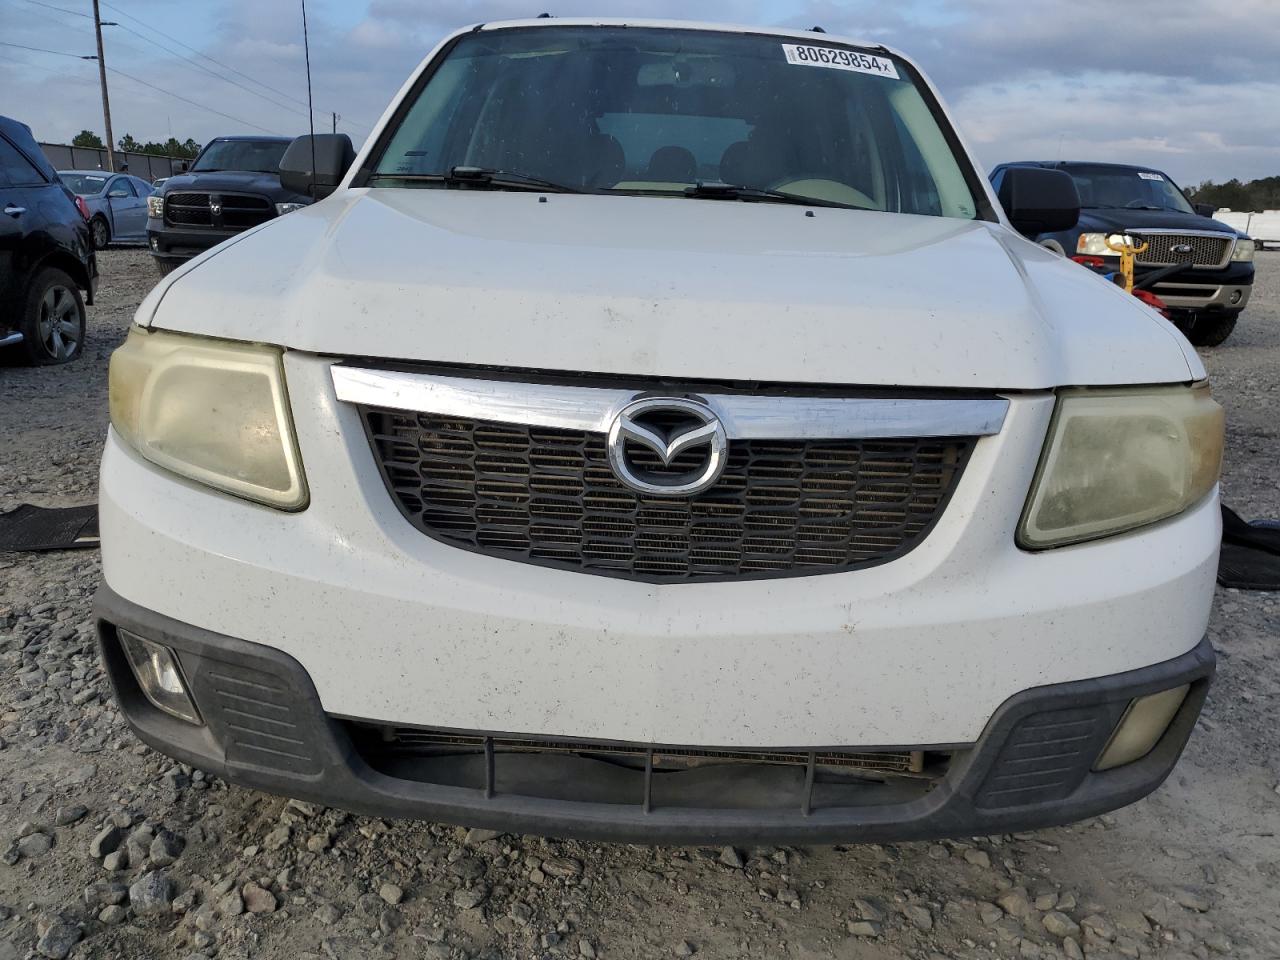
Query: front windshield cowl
{"type": "Point", "coordinates": [659, 112]}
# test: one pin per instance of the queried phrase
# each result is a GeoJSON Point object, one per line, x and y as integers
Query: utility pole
{"type": "Point", "coordinates": [335, 123]}
{"type": "Point", "coordinates": [106, 102]}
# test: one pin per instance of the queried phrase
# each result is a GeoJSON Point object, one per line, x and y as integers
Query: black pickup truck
{"type": "Point", "coordinates": [234, 184]}
{"type": "Point", "coordinates": [1201, 268]}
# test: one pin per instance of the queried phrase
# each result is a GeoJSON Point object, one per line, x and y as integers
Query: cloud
{"type": "Point", "coordinates": [1187, 85]}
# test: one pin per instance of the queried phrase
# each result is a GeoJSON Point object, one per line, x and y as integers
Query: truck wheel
{"type": "Point", "coordinates": [167, 265]}
{"type": "Point", "coordinates": [53, 319]}
{"type": "Point", "coordinates": [101, 233]}
{"type": "Point", "coordinates": [1211, 330]}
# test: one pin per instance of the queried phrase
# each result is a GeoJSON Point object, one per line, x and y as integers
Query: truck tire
{"type": "Point", "coordinates": [53, 319]}
{"type": "Point", "coordinates": [1212, 329]}
{"type": "Point", "coordinates": [101, 231]}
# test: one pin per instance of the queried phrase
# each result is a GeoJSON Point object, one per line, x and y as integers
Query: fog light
{"type": "Point", "coordinates": [1140, 729]}
{"type": "Point", "coordinates": [160, 676]}
{"type": "Point", "coordinates": [1235, 296]}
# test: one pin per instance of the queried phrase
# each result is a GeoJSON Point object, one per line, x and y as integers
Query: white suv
{"type": "Point", "coordinates": [661, 433]}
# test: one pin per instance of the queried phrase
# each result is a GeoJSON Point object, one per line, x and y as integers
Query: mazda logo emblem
{"type": "Point", "coordinates": [667, 427]}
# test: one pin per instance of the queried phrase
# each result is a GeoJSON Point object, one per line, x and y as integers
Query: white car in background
{"type": "Point", "coordinates": [661, 432]}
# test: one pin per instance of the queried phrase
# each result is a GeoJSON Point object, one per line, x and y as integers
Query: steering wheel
{"type": "Point", "coordinates": [824, 188]}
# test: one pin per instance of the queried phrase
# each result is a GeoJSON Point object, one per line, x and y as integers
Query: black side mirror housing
{"type": "Point", "coordinates": [180, 166]}
{"type": "Point", "coordinates": [314, 165]}
{"type": "Point", "coordinates": [1039, 200]}
{"type": "Point", "coordinates": [1204, 209]}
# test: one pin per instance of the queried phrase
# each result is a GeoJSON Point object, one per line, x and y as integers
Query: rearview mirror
{"type": "Point", "coordinates": [1038, 200]}
{"type": "Point", "coordinates": [1204, 209]}
{"type": "Point", "coordinates": [315, 165]}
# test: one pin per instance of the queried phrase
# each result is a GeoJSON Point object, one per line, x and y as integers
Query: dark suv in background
{"type": "Point", "coordinates": [232, 185]}
{"type": "Point", "coordinates": [46, 255]}
{"type": "Point", "coordinates": [1205, 267]}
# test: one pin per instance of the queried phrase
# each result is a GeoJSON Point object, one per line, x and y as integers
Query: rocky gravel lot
{"type": "Point", "coordinates": [108, 849]}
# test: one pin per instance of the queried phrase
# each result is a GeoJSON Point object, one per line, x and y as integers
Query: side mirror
{"type": "Point", "coordinates": [315, 165]}
{"type": "Point", "coordinates": [1038, 200]}
{"type": "Point", "coordinates": [180, 166]}
{"type": "Point", "coordinates": [1204, 209]}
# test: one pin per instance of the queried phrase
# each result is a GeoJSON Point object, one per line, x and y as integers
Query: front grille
{"type": "Point", "coordinates": [238, 211]}
{"type": "Point", "coordinates": [548, 497]}
{"type": "Point", "coordinates": [1206, 251]}
{"type": "Point", "coordinates": [414, 741]}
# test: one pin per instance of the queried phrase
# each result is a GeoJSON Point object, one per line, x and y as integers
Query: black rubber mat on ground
{"type": "Point", "coordinates": [28, 528]}
{"type": "Point", "coordinates": [1250, 558]}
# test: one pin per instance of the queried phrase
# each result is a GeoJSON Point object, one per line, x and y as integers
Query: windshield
{"type": "Point", "coordinates": [262, 156]}
{"type": "Point", "coordinates": [1126, 187]}
{"type": "Point", "coordinates": [85, 184]}
{"type": "Point", "coordinates": [651, 111]}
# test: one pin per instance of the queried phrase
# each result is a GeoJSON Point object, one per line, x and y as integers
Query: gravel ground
{"type": "Point", "coordinates": [108, 849]}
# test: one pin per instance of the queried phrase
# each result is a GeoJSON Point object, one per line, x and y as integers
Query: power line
{"type": "Point", "coordinates": [212, 73]}
{"type": "Point", "coordinates": [50, 6]}
{"type": "Point", "coordinates": [199, 53]}
{"type": "Point", "coordinates": [56, 53]}
{"type": "Point", "coordinates": [225, 66]}
{"type": "Point", "coordinates": [193, 103]}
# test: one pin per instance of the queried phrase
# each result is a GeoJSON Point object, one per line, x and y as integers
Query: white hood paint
{"type": "Point", "coordinates": [695, 289]}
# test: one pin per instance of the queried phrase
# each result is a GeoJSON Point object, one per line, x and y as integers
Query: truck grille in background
{"type": "Point", "coordinates": [548, 497]}
{"type": "Point", "coordinates": [239, 211]}
{"type": "Point", "coordinates": [1210, 251]}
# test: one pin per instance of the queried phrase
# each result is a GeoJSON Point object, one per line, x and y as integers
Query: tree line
{"type": "Point", "coordinates": [1255, 195]}
{"type": "Point", "coordinates": [173, 147]}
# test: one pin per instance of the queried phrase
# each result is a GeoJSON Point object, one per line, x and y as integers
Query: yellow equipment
{"type": "Point", "coordinates": [1127, 251]}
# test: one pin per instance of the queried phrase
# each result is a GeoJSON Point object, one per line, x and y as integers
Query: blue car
{"type": "Point", "coordinates": [1201, 268]}
{"type": "Point", "coordinates": [117, 204]}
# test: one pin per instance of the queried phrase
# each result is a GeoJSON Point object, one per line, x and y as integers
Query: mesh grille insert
{"type": "Point", "coordinates": [548, 497]}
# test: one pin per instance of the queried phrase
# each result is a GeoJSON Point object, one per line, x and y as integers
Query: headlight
{"type": "Point", "coordinates": [1244, 249]}
{"type": "Point", "coordinates": [1119, 459]}
{"type": "Point", "coordinates": [1095, 244]}
{"type": "Point", "coordinates": [155, 206]}
{"type": "Point", "coordinates": [214, 411]}
{"type": "Point", "coordinates": [283, 208]}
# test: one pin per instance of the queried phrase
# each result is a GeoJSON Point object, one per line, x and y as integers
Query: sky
{"type": "Point", "coordinates": [1191, 87]}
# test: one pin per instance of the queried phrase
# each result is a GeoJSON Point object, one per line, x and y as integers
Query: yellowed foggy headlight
{"type": "Point", "coordinates": [214, 411]}
{"type": "Point", "coordinates": [1120, 459]}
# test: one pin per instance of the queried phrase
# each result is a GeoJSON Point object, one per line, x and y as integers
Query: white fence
{"type": "Point", "coordinates": [1263, 227]}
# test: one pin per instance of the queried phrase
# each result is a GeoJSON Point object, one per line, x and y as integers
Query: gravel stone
{"type": "Point", "coordinates": [731, 858]}
{"type": "Point", "coordinates": [151, 894]}
{"type": "Point", "coordinates": [470, 898]}
{"type": "Point", "coordinates": [562, 867]}
{"type": "Point", "coordinates": [106, 841]}
{"type": "Point", "coordinates": [258, 899]}
{"type": "Point", "coordinates": [391, 893]}
{"type": "Point", "coordinates": [165, 848]}
{"type": "Point", "coordinates": [35, 845]}
{"type": "Point", "coordinates": [864, 928]}
{"type": "Point", "coordinates": [919, 916]}
{"type": "Point", "coordinates": [1060, 925]}
{"type": "Point", "coordinates": [56, 942]}
{"type": "Point", "coordinates": [65, 816]}
{"type": "Point", "coordinates": [113, 914]}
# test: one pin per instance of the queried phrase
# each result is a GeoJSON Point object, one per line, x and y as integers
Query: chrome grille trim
{"type": "Point", "coordinates": [745, 417]}
{"type": "Point", "coordinates": [1211, 249]}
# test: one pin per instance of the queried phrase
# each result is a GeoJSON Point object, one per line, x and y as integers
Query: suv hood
{"type": "Point", "coordinates": [671, 287]}
{"type": "Point", "coordinates": [1106, 219]}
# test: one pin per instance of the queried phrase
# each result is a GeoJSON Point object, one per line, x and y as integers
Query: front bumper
{"type": "Point", "coordinates": [176, 243]}
{"type": "Point", "coordinates": [1031, 767]}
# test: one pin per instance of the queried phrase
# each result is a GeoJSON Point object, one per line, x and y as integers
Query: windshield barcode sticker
{"type": "Point", "coordinates": [1150, 176]}
{"type": "Point", "coordinates": [807, 56]}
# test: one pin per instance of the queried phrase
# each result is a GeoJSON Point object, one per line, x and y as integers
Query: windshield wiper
{"type": "Point", "coordinates": [483, 177]}
{"type": "Point", "coordinates": [714, 190]}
